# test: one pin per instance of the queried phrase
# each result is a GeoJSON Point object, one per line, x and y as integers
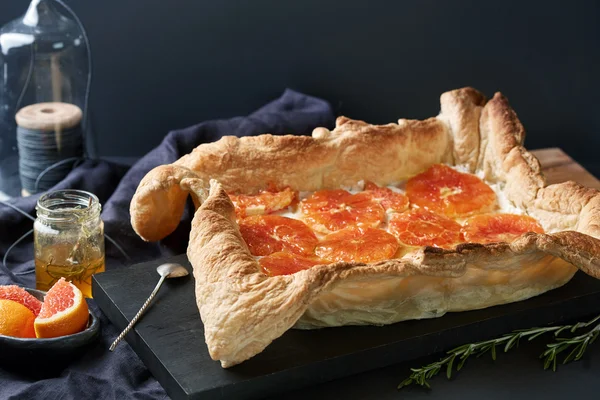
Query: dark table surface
{"type": "Point", "coordinates": [518, 374]}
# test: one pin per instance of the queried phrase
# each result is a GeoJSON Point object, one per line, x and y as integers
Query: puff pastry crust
{"type": "Point", "coordinates": [243, 310]}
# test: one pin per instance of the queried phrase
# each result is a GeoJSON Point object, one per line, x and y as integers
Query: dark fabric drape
{"type": "Point", "coordinates": [98, 373]}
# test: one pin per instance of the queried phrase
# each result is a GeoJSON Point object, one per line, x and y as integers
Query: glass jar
{"type": "Point", "coordinates": [44, 57]}
{"type": "Point", "coordinates": [68, 239]}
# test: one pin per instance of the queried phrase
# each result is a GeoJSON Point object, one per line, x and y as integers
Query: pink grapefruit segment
{"type": "Point", "coordinates": [64, 311]}
{"type": "Point", "coordinates": [331, 210]}
{"type": "Point", "coordinates": [448, 192]}
{"type": "Point", "coordinates": [267, 234]}
{"type": "Point", "coordinates": [286, 263]}
{"type": "Point", "coordinates": [363, 245]}
{"type": "Point", "coordinates": [488, 228]}
{"type": "Point", "coordinates": [20, 295]}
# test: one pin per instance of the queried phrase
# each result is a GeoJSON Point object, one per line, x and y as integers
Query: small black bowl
{"type": "Point", "coordinates": [19, 352]}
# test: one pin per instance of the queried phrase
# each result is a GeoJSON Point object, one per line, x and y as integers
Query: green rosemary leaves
{"type": "Point", "coordinates": [459, 355]}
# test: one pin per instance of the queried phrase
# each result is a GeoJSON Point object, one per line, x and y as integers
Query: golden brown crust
{"type": "Point", "coordinates": [502, 158]}
{"type": "Point", "coordinates": [328, 159]}
{"type": "Point", "coordinates": [461, 109]}
{"type": "Point", "coordinates": [234, 282]}
{"type": "Point", "coordinates": [159, 201]}
{"type": "Point", "coordinates": [243, 310]}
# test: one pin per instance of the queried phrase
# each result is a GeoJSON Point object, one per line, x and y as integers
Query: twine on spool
{"type": "Point", "coordinates": [50, 142]}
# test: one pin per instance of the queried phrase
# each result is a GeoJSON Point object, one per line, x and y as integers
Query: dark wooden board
{"type": "Point", "coordinates": [170, 338]}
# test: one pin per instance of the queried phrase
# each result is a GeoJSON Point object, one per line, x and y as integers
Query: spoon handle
{"type": "Point", "coordinates": [138, 315]}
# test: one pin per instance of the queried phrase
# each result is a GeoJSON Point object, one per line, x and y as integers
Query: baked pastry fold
{"type": "Point", "coordinates": [243, 310]}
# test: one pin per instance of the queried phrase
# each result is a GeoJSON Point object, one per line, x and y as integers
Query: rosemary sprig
{"type": "Point", "coordinates": [577, 344]}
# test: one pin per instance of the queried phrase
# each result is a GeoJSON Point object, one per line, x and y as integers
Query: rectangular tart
{"type": "Point", "coordinates": [243, 309]}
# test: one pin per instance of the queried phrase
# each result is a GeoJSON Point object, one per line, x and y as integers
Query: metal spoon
{"type": "Point", "coordinates": [165, 271]}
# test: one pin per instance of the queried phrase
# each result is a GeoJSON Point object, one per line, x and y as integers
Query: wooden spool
{"type": "Point", "coordinates": [48, 117]}
{"type": "Point", "coordinates": [52, 116]}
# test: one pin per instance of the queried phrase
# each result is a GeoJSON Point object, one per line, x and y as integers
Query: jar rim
{"type": "Point", "coordinates": [67, 204]}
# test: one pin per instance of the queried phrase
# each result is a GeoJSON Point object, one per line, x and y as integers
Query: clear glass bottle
{"type": "Point", "coordinates": [68, 239]}
{"type": "Point", "coordinates": [44, 56]}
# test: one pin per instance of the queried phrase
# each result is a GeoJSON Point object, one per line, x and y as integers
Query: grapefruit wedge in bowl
{"type": "Point", "coordinates": [64, 311]}
{"type": "Point", "coordinates": [39, 327]}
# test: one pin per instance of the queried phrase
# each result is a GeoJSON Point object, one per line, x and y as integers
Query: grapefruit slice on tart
{"type": "Point", "coordinates": [326, 211]}
{"type": "Point", "coordinates": [445, 191]}
{"type": "Point", "coordinates": [264, 202]}
{"type": "Point", "coordinates": [391, 201]}
{"type": "Point", "coordinates": [362, 245]}
{"type": "Point", "coordinates": [282, 263]}
{"type": "Point", "coordinates": [420, 227]}
{"type": "Point", "coordinates": [267, 234]}
{"type": "Point", "coordinates": [489, 228]}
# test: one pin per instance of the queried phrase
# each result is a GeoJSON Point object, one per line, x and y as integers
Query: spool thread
{"type": "Point", "coordinates": [40, 150]}
{"type": "Point", "coordinates": [50, 142]}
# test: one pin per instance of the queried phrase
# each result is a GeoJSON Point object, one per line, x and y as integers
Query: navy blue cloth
{"type": "Point", "coordinates": [100, 374]}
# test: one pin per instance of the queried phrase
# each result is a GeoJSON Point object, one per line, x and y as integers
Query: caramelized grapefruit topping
{"type": "Point", "coordinates": [286, 263]}
{"type": "Point", "coordinates": [438, 195]}
{"type": "Point", "coordinates": [389, 200]}
{"type": "Point", "coordinates": [489, 228]}
{"type": "Point", "coordinates": [446, 191]}
{"type": "Point", "coordinates": [265, 202]}
{"type": "Point", "coordinates": [423, 228]}
{"type": "Point", "coordinates": [267, 234]}
{"type": "Point", "coordinates": [364, 245]}
{"type": "Point", "coordinates": [332, 210]}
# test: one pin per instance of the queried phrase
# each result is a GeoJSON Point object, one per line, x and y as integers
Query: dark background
{"type": "Point", "coordinates": [166, 64]}
{"type": "Point", "coordinates": [161, 65]}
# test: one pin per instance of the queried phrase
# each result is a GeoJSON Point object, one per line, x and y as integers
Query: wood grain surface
{"type": "Point", "coordinates": [559, 167]}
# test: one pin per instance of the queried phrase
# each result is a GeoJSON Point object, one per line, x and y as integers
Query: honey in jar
{"type": "Point", "coordinates": [68, 239]}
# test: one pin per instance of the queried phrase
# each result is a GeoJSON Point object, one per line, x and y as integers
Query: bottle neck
{"type": "Point", "coordinates": [42, 13]}
{"type": "Point", "coordinates": [32, 16]}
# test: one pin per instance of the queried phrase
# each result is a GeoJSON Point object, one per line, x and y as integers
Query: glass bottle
{"type": "Point", "coordinates": [44, 57]}
{"type": "Point", "coordinates": [68, 239]}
